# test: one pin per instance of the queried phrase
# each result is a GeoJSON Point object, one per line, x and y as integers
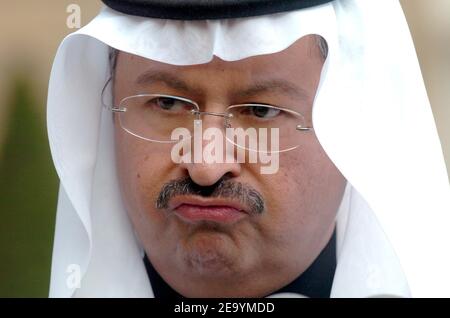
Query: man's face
{"type": "Point", "coordinates": [249, 254]}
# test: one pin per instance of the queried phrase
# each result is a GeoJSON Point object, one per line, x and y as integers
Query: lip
{"type": "Point", "coordinates": [195, 209]}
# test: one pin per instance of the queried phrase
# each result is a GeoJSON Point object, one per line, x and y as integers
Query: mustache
{"type": "Point", "coordinates": [224, 188]}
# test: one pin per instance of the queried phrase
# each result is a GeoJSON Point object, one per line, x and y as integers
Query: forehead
{"type": "Point", "coordinates": [298, 66]}
{"type": "Point", "coordinates": [303, 51]}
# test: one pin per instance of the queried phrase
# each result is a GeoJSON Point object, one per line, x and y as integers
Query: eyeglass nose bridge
{"type": "Point", "coordinates": [225, 116]}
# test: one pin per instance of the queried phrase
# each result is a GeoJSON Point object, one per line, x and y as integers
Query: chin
{"type": "Point", "coordinates": [209, 254]}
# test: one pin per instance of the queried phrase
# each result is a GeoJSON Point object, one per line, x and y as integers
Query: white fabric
{"type": "Point", "coordinates": [371, 115]}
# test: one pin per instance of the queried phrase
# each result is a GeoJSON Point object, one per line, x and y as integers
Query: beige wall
{"type": "Point", "coordinates": [32, 30]}
{"type": "Point", "coordinates": [429, 22]}
{"type": "Point", "coordinates": [30, 34]}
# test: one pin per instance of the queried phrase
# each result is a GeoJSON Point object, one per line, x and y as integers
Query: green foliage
{"type": "Point", "coordinates": [28, 194]}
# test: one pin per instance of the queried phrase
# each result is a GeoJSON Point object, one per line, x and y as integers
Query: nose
{"type": "Point", "coordinates": [207, 172]}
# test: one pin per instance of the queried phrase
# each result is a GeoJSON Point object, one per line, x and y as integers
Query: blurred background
{"type": "Point", "coordinates": [30, 34]}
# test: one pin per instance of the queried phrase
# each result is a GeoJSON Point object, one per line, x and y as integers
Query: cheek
{"type": "Point", "coordinates": [303, 197]}
{"type": "Point", "coordinates": [141, 168]}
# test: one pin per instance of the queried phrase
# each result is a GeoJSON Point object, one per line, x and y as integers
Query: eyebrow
{"type": "Point", "coordinates": [280, 85]}
{"type": "Point", "coordinates": [170, 80]}
{"type": "Point", "coordinates": [262, 86]}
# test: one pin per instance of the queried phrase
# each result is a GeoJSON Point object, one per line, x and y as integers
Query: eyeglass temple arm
{"type": "Point", "coordinates": [111, 108]}
{"type": "Point", "coordinates": [117, 109]}
{"type": "Point", "coordinates": [303, 128]}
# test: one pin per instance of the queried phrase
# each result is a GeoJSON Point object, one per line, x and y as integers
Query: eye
{"type": "Point", "coordinates": [261, 111]}
{"type": "Point", "coordinates": [169, 104]}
